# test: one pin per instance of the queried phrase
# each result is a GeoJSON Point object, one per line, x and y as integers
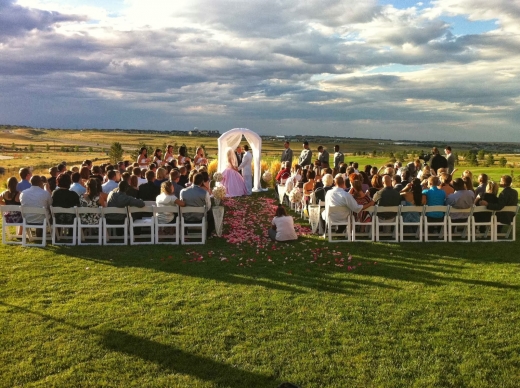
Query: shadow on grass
{"type": "Point", "coordinates": [174, 360]}
{"type": "Point", "coordinates": [168, 358]}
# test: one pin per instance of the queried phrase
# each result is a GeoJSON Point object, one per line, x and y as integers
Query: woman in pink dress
{"type": "Point", "coordinates": [232, 180]}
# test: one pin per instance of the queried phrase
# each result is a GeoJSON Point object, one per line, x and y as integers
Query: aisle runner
{"type": "Point", "coordinates": [247, 219]}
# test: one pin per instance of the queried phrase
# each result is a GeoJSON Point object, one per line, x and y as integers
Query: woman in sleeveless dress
{"type": "Point", "coordinates": [11, 197]}
{"type": "Point", "coordinates": [232, 180]}
{"type": "Point", "coordinates": [92, 198]}
{"type": "Point", "coordinates": [142, 159]}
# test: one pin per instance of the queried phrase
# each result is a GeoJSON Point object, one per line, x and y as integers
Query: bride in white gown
{"type": "Point", "coordinates": [232, 180]}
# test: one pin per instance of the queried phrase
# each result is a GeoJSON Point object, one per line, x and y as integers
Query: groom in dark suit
{"type": "Point", "coordinates": [239, 154]}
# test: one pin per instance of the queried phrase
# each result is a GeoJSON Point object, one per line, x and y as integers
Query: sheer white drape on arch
{"type": "Point", "coordinates": [232, 139]}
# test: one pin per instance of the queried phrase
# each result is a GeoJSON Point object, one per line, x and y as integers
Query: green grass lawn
{"type": "Point", "coordinates": [256, 314]}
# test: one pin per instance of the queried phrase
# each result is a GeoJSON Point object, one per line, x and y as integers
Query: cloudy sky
{"type": "Point", "coordinates": [400, 69]}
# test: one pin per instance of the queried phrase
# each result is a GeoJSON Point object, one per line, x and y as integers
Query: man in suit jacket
{"type": "Point", "coordinates": [338, 157]}
{"type": "Point", "coordinates": [450, 159]}
{"type": "Point", "coordinates": [239, 154]}
{"type": "Point", "coordinates": [323, 157]}
{"type": "Point", "coordinates": [306, 155]}
{"type": "Point", "coordinates": [287, 154]}
{"type": "Point", "coordinates": [247, 173]}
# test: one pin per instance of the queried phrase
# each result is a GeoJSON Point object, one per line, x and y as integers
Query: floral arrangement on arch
{"type": "Point", "coordinates": [295, 195]}
{"type": "Point", "coordinates": [217, 177]}
{"type": "Point", "coordinates": [219, 193]}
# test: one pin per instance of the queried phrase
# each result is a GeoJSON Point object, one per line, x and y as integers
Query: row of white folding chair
{"type": "Point", "coordinates": [428, 230]}
{"type": "Point", "coordinates": [28, 232]}
{"type": "Point", "coordinates": [69, 234]}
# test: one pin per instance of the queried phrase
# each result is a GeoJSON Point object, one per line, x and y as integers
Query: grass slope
{"type": "Point", "coordinates": [255, 314]}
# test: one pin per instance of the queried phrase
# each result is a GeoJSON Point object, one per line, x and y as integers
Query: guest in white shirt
{"type": "Point", "coordinates": [282, 227]}
{"type": "Point", "coordinates": [111, 183]}
{"type": "Point", "coordinates": [167, 198]}
{"type": "Point", "coordinates": [77, 187]}
{"type": "Point", "coordinates": [342, 201]}
{"type": "Point", "coordinates": [36, 196]}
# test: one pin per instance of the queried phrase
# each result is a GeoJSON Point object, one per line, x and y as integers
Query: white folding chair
{"type": "Point", "coordinates": [488, 234]}
{"type": "Point", "coordinates": [442, 234]}
{"type": "Point", "coordinates": [150, 203]}
{"type": "Point", "coordinates": [510, 233]}
{"type": "Point", "coordinates": [416, 236]}
{"type": "Point", "coordinates": [90, 234]}
{"type": "Point", "coordinates": [390, 224]}
{"type": "Point", "coordinates": [363, 231]}
{"type": "Point", "coordinates": [61, 233]}
{"type": "Point", "coordinates": [193, 238]}
{"type": "Point", "coordinates": [7, 236]}
{"type": "Point", "coordinates": [27, 228]}
{"type": "Point", "coordinates": [459, 229]}
{"type": "Point", "coordinates": [166, 238]}
{"type": "Point", "coordinates": [109, 237]}
{"type": "Point", "coordinates": [321, 205]}
{"type": "Point", "coordinates": [346, 221]}
{"type": "Point", "coordinates": [144, 223]}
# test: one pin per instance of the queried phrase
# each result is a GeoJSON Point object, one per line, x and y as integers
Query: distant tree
{"type": "Point", "coordinates": [116, 152]}
{"type": "Point", "coordinates": [76, 149]}
{"type": "Point", "coordinates": [13, 146]}
{"type": "Point", "coordinates": [481, 155]}
{"type": "Point", "coordinates": [490, 160]}
{"type": "Point", "coordinates": [472, 158]}
{"type": "Point", "coordinates": [374, 153]}
{"type": "Point", "coordinates": [62, 149]}
{"type": "Point", "coordinates": [502, 162]}
{"type": "Point", "coordinates": [90, 149]}
{"type": "Point", "coordinates": [31, 148]}
{"type": "Point", "coordinates": [163, 147]}
{"type": "Point", "coordinates": [47, 147]}
{"type": "Point", "coordinates": [354, 153]}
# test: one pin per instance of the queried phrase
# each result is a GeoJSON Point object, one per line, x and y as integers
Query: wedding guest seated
{"type": "Point", "coordinates": [183, 179]}
{"type": "Point", "coordinates": [445, 180]}
{"type": "Point", "coordinates": [490, 196]}
{"type": "Point", "coordinates": [161, 176]}
{"type": "Point", "coordinates": [133, 187]}
{"type": "Point", "coordinates": [36, 196]}
{"type": "Point", "coordinates": [365, 181]}
{"type": "Point", "coordinates": [328, 182]}
{"type": "Point", "coordinates": [282, 226]}
{"type": "Point", "coordinates": [167, 198]}
{"type": "Point", "coordinates": [339, 198]}
{"type": "Point", "coordinates": [93, 198]}
{"type": "Point", "coordinates": [111, 183]}
{"type": "Point", "coordinates": [387, 196]}
{"type": "Point", "coordinates": [148, 191]}
{"type": "Point", "coordinates": [174, 178]}
{"type": "Point", "coordinates": [53, 171]}
{"type": "Point", "coordinates": [284, 173]}
{"type": "Point", "coordinates": [96, 173]}
{"type": "Point", "coordinates": [376, 185]}
{"type": "Point", "coordinates": [406, 176]}
{"type": "Point", "coordinates": [482, 183]}
{"type": "Point", "coordinates": [468, 182]}
{"type": "Point", "coordinates": [196, 196]}
{"type": "Point", "coordinates": [76, 186]}
{"type": "Point", "coordinates": [434, 197]}
{"type": "Point", "coordinates": [308, 187]}
{"type": "Point", "coordinates": [63, 197]}
{"type": "Point", "coordinates": [426, 170]}
{"type": "Point", "coordinates": [120, 199]}
{"type": "Point", "coordinates": [11, 196]}
{"type": "Point", "coordinates": [460, 199]}
{"type": "Point", "coordinates": [508, 197]}
{"type": "Point", "coordinates": [396, 182]}
{"type": "Point", "coordinates": [25, 177]}
{"type": "Point", "coordinates": [206, 186]}
{"type": "Point", "coordinates": [362, 199]}
{"type": "Point", "coordinates": [411, 195]}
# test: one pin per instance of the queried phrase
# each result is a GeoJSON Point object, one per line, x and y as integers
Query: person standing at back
{"type": "Point", "coordinates": [450, 158]}
{"type": "Point", "coordinates": [338, 158]}
{"type": "Point", "coordinates": [287, 154]}
{"type": "Point", "coordinates": [306, 155]}
{"type": "Point", "coordinates": [438, 161]}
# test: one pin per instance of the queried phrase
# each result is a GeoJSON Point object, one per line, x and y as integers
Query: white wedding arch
{"type": "Point", "coordinates": [232, 139]}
